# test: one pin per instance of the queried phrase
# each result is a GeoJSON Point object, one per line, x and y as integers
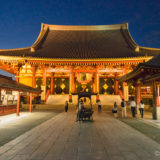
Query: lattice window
{"type": "Point", "coordinates": [61, 85]}
{"type": "Point", "coordinates": [106, 86]}
{"type": "Point", "coordinates": [39, 82]}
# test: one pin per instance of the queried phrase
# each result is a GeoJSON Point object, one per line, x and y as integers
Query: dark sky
{"type": "Point", "coordinates": [20, 20]}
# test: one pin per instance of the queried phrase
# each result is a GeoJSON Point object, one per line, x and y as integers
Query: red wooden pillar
{"type": "Point", "coordinates": [123, 86]}
{"type": "Point", "coordinates": [97, 87]}
{"type": "Point", "coordinates": [124, 83]}
{"type": "Point", "coordinates": [156, 105]}
{"type": "Point", "coordinates": [138, 93]}
{"type": "Point", "coordinates": [95, 83]}
{"type": "Point", "coordinates": [138, 97]}
{"type": "Point", "coordinates": [70, 97]}
{"type": "Point", "coordinates": [18, 103]}
{"type": "Point", "coordinates": [115, 87]}
{"type": "Point", "coordinates": [27, 98]}
{"type": "Point", "coordinates": [44, 76]}
{"type": "Point", "coordinates": [73, 82]}
{"type": "Point", "coordinates": [17, 75]}
{"type": "Point", "coordinates": [71, 87]}
{"type": "Point", "coordinates": [52, 83]}
{"type": "Point", "coordinates": [33, 76]}
{"type": "Point", "coordinates": [30, 106]}
{"type": "Point", "coordinates": [44, 80]}
{"type": "Point", "coordinates": [154, 93]}
{"type": "Point", "coordinates": [158, 97]}
{"type": "Point", "coordinates": [97, 98]}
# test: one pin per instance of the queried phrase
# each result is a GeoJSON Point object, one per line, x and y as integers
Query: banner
{"type": "Point", "coordinates": [43, 93]}
{"type": "Point", "coordinates": [126, 93]}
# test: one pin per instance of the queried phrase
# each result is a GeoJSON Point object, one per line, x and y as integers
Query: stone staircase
{"type": "Point", "coordinates": [110, 99]}
{"type": "Point", "coordinates": [105, 99]}
{"type": "Point", "coordinates": [57, 99]}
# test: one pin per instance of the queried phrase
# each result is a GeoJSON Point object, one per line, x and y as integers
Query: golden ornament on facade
{"type": "Point", "coordinates": [63, 86]}
{"type": "Point", "coordinates": [105, 86]}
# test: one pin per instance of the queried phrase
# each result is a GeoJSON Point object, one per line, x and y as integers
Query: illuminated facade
{"type": "Point", "coordinates": [146, 76]}
{"type": "Point", "coordinates": [69, 59]}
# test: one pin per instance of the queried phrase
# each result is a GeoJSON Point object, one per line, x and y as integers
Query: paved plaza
{"type": "Point", "coordinates": [62, 138]}
{"type": "Point", "coordinates": [12, 126]}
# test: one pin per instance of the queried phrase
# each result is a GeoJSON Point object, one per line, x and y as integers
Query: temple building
{"type": "Point", "coordinates": [10, 95]}
{"type": "Point", "coordinates": [69, 59]}
{"type": "Point", "coordinates": [146, 75]}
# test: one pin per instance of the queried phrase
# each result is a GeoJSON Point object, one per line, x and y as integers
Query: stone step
{"type": "Point", "coordinates": [105, 99]}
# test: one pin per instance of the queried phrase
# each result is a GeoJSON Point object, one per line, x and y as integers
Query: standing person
{"type": "Point", "coordinates": [80, 110]}
{"type": "Point", "coordinates": [99, 106]}
{"type": "Point", "coordinates": [141, 108]}
{"type": "Point", "coordinates": [133, 107]}
{"type": "Point", "coordinates": [123, 106]}
{"type": "Point", "coordinates": [115, 110]}
{"type": "Point", "coordinates": [66, 106]}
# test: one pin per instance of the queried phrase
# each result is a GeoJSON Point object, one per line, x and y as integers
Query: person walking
{"type": "Point", "coordinates": [115, 110]}
{"type": "Point", "coordinates": [123, 106]}
{"type": "Point", "coordinates": [66, 106]}
{"type": "Point", "coordinates": [141, 108]}
{"type": "Point", "coordinates": [133, 107]}
{"type": "Point", "coordinates": [99, 106]}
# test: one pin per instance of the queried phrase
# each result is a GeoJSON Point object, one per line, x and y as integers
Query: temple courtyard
{"type": "Point", "coordinates": [53, 135]}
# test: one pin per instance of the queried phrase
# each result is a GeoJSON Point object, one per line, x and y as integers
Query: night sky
{"type": "Point", "coordinates": [20, 20]}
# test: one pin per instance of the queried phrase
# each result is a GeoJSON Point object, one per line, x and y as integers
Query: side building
{"type": "Point", "coordinates": [69, 59]}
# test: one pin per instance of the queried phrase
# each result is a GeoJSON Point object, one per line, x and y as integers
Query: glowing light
{"type": "Point", "coordinates": [11, 118]}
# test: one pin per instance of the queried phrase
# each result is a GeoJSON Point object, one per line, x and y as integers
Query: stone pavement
{"type": "Point", "coordinates": [61, 138]}
{"type": "Point", "coordinates": [12, 126]}
{"type": "Point", "coordinates": [155, 123]}
{"type": "Point", "coordinates": [148, 127]}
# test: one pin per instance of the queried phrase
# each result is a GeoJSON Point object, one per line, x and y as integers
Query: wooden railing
{"type": "Point", "coordinates": [7, 109]}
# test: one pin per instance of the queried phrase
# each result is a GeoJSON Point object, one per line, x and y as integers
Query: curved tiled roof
{"type": "Point", "coordinates": [8, 83]}
{"type": "Point", "coordinates": [78, 42]}
{"type": "Point", "coordinates": [154, 62]}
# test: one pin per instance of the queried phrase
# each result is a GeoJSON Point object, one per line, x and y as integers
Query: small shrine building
{"type": "Point", "coordinates": [9, 85]}
{"type": "Point", "coordinates": [146, 75]}
{"type": "Point", "coordinates": [69, 59]}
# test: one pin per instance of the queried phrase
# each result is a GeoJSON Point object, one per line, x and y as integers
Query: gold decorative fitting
{"type": "Point", "coordinates": [32, 49]}
{"type": "Point", "coordinates": [137, 49]}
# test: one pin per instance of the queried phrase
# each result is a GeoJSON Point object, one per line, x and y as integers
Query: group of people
{"type": "Point", "coordinates": [133, 108]}
{"type": "Point", "coordinates": [114, 110]}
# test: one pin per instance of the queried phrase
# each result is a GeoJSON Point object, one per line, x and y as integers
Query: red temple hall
{"type": "Point", "coordinates": [71, 59]}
